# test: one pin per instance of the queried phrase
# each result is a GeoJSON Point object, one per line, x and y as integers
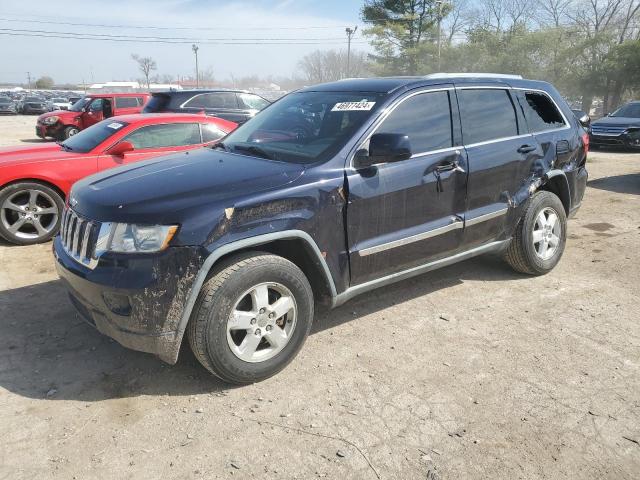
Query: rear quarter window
{"type": "Point", "coordinates": [127, 102]}
{"type": "Point", "coordinates": [540, 112]}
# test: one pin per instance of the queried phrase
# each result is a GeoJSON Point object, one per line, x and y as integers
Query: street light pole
{"type": "Point", "coordinates": [194, 47]}
{"type": "Point", "coordinates": [350, 33]}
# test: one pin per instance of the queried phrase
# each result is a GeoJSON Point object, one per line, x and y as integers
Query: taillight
{"type": "Point", "coordinates": [585, 142]}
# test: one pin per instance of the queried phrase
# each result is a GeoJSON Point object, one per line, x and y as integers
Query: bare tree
{"type": "Point", "coordinates": [326, 66]}
{"type": "Point", "coordinates": [553, 12]}
{"type": "Point", "coordinates": [146, 66]}
{"type": "Point", "coordinates": [459, 18]}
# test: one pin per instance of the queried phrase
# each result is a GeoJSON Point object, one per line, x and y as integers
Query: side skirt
{"type": "Point", "coordinates": [351, 292]}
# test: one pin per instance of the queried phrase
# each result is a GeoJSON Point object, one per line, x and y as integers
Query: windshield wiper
{"type": "Point", "coordinates": [66, 147]}
{"type": "Point", "coordinates": [261, 152]}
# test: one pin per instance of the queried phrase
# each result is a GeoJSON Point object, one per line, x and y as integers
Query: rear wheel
{"type": "Point", "coordinates": [540, 237]}
{"type": "Point", "coordinates": [29, 213]}
{"type": "Point", "coordinates": [251, 318]}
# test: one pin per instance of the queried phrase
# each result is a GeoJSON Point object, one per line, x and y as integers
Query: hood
{"type": "Point", "coordinates": [618, 121]}
{"type": "Point", "coordinates": [48, 152]}
{"type": "Point", "coordinates": [168, 189]}
{"type": "Point", "coordinates": [59, 113]}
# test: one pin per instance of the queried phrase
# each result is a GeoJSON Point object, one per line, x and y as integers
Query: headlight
{"type": "Point", "coordinates": [128, 238]}
{"type": "Point", "coordinates": [50, 120]}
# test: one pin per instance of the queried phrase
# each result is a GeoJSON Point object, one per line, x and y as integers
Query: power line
{"type": "Point", "coordinates": [80, 36]}
{"type": "Point", "coordinates": [155, 27]}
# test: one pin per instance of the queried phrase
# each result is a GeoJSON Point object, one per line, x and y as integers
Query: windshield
{"type": "Point", "coordinates": [33, 99]}
{"type": "Point", "coordinates": [4, 100]}
{"type": "Point", "coordinates": [630, 110]}
{"type": "Point", "coordinates": [80, 104]}
{"type": "Point", "coordinates": [59, 100]}
{"type": "Point", "coordinates": [304, 127]}
{"type": "Point", "coordinates": [88, 139]}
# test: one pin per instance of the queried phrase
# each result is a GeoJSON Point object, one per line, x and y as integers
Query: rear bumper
{"type": "Point", "coordinates": [136, 301]}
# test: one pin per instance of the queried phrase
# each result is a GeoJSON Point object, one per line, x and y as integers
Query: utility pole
{"type": "Point", "coordinates": [439, 3]}
{"type": "Point", "coordinates": [29, 79]}
{"type": "Point", "coordinates": [350, 32]}
{"type": "Point", "coordinates": [194, 47]}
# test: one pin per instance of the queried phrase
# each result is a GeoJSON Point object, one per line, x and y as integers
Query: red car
{"type": "Point", "coordinates": [35, 180]}
{"type": "Point", "coordinates": [62, 124]}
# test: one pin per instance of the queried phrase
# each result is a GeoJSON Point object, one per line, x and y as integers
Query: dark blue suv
{"type": "Point", "coordinates": [331, 191]}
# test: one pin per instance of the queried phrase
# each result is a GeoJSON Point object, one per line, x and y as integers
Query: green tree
{"type": "Point", "coordinates": [45, 82]}
{"type": "Point", "coordinates": [403, 32]}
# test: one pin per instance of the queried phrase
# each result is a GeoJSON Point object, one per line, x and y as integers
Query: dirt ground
{"type": "Point", "coordinates": [472, 371]}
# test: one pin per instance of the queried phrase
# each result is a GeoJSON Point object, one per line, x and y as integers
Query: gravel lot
{"type": "Point", "coordinates": [468, 372]}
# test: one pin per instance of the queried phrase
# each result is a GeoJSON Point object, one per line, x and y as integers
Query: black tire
{"type": "Point", "coordinates": [28, 234]}
{"type": "Point", "coordinates": [522, 254]}
{"type": "Point", "coordinates": [69, 132]}
{"type": "Point", "coordinates": [207, 330]}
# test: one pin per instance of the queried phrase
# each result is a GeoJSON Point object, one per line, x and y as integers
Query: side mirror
{"type": "Point", "coordinates": [384, 148]}
{"type": "Point", "coordinates": [585, 120]}
{"type": "Point", "coordinates": [119, 149]}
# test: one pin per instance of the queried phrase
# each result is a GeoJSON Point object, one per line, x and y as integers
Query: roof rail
{"type": "Point", "coordinates": [473, 75]}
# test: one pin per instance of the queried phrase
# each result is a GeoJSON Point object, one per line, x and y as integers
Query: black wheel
{"type": "Point", "coordinates": [540, 237]}
{"type": "Point", "coordinates": [69, 132]}
{"type": "Point", "coordinates": [29, 213]}
{"type": "Point", "coordinates": [251, 318]}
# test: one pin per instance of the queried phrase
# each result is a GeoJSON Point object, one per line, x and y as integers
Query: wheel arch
{"type": "Point", "coordinates": [296, 246]}
{"type": "Point", "coordinates": [556, 182]}
{"type": "Point", "coordinates": [47, 183]}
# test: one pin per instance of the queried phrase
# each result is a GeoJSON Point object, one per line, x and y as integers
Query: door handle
{"type": "Point", "coordinates": [446, 167]}
{"type": "Point", "coordinates": [526, 148]}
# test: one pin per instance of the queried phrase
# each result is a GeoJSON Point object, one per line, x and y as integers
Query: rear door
{"type": "Point", "coordinates": [500, 152]}
{"type": "Point", "coordinates": [155, 140]}
{"type": "Point", "coordinates": [405, 213]}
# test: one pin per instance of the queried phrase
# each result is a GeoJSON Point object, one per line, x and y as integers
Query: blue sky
{"type": "Point", "coordinates": [73, 60]}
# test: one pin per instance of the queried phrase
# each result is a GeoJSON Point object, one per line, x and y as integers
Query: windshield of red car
{"type": "Point", "coordinates": [87, 140]}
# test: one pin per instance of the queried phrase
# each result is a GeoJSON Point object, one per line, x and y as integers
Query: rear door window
{"type": "Point", "coordinates": [487, 114]}
{"type": "Point", "coordinates": [425, 118]}
{"type": "Point", "coordinates": [541, 113]}
{"type": "Point", "coordinates": [166, 135]}
{"type": "Point", "coordinates": [214, 100]}
{"type": "Point", "coordinates": [126, 102]}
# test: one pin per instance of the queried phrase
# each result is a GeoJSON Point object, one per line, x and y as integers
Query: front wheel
{"type": "Point", "coordinates": [69, 132]}
{"type": "Point", "coordinates": [251, 318]}
{"type": "Point", "coordinates": [538, 242]}
{"type": "Point", "coordinates": [29, 213]}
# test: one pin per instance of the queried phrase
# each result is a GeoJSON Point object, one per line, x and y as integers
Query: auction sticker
{"type": "Point", "coordinates": [115, 125]}
{"type": "Point", "coordinates": [353, 106]}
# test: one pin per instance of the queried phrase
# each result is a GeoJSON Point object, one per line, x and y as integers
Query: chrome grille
{"type": "Point", "coordinates": [79, 237]}
{"type": "Point", "coordinates": [608, 130]}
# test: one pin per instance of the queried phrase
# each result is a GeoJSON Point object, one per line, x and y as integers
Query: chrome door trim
{"type": "Point", "coordinates": [456, 224]}
{"type": "Point", "coordinates": [487, 216]}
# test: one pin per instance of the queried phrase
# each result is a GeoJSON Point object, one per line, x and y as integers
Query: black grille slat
{"type": "Point", "coordinates": [78, 237]}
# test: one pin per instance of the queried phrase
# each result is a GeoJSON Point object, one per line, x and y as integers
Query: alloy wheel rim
{"type": "Point", "coordinates": [546, 234]}
{"type": "Point", "coordinates": [29, 214]}
{"type": "Point", "coordinates": [262, 322]}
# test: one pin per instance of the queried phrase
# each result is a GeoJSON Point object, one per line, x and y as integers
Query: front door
{"type": "Point", "coordinates": [406, 213]}
{"type": "Point", "coordinates": [92, 113]}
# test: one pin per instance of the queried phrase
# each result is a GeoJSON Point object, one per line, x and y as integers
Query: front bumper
{"type": "Point", "coordinates": [44, 131]}
{"type": "Point", "coordinates": [136, 300]}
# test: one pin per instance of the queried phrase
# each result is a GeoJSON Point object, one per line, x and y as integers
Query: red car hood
{"type": "Point", "coordinates": [11, 156]}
